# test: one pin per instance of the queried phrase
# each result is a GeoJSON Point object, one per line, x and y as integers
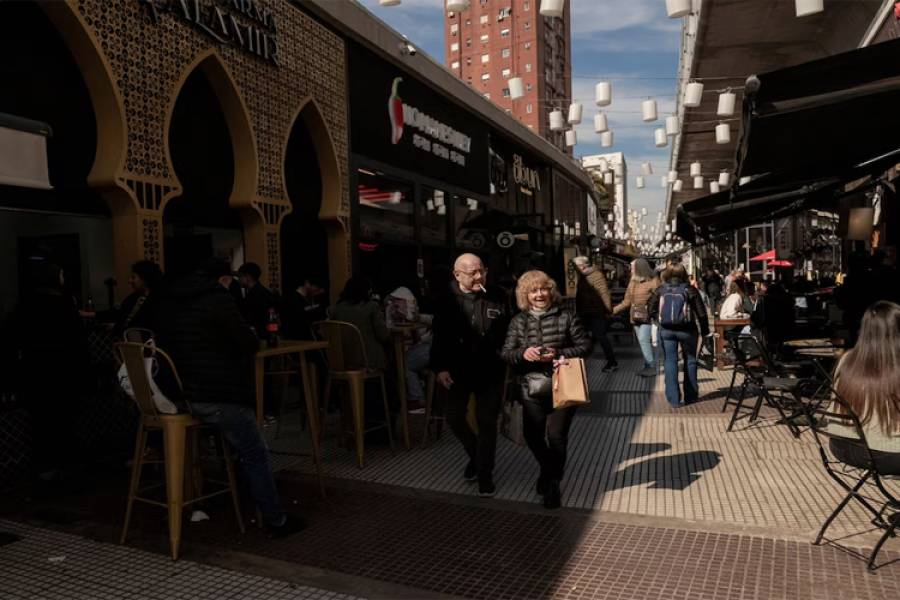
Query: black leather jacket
{"type": "Point", "coordinates": [557, 328]}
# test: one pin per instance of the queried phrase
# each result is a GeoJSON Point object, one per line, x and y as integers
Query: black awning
{"type": "Point", "coordinates": [821, 118]}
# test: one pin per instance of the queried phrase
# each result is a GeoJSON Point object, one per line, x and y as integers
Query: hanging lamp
{"type": "Point", "coordinates": [723, 133]}
{"type": "Point", "coordinates": [678, 8]}
{"type": "Point", "coordinates": [606, 138]}
{"type": "Point", "coordinates": [660, 138]}
{"type": "Point", "coordinates": [557, 122]}
{"type": "Point", "coordinates": [804, 8]}
{"type": "Point", "coordinates": [457, 5]}
{"type": "Point", "coordinates": [639, 181]}
{"type": "Point", "coordinates": [693, 94]}
{"type": "Point", "coordinates": [647, 168]}
{"type": "Point", "coordinates": [388, 2]}
{"type": "Point", "coordinates": [516, 88]}
{"type": "Point", "coordinates": [600, 123]}
{"type": "Point", "coordinates": [603, 93]}
{"type": "Point", "coordinates": [552, 8]}
{"type": "Point", "coordinates": [571, 137]}
{"type": "Point", "coordinates": [695, 169]}
{"type": "Point", "coordinates": [672, 127]}
{"type": "Point", "coordinates": [724, 178]}
{"type": "Point", "coordinates": [677, 187]}
{"type": "Point", "coordinates": [726, 104]}
{"type": "Point", "coordinates": [648, 110]}
{"type": "Point", "coordinates": [698, 182]}
{"type": "Point", "coordinates": [575, 110]}
{"type": "Point", "coordinates": [713, 187]}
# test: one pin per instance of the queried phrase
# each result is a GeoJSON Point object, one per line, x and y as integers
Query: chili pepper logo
{"type": "Point", "coordinates": [395, 110]}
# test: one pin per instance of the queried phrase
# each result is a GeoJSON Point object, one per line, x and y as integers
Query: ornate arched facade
{"type": "Point", "coordinates": [269, 64]}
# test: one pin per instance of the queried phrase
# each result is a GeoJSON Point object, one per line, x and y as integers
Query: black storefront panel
{"type": "Point", "coordinates": [400, 121]}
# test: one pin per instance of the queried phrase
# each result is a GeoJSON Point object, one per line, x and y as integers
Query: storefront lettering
{"type": "Point", "coordinates": [526, 176]}
{"type": "Point", "coordinates": [217, 19]}
{"type": "Point", "coordinates": [428, 125]}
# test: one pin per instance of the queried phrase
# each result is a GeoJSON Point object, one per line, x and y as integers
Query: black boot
{"type": "Point", "coordinates": [542, 485]}
{"type": "Point", "coordinates": [552, 497]}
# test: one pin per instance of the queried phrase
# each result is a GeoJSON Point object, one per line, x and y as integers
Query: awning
{"type": "Point", "coordinates": [23, 152]}
{"type": "Point", "coordinates": [770, 255]}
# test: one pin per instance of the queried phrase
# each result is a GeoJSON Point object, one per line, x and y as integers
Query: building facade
{"type": "Point", "coordinates": [495, 40]}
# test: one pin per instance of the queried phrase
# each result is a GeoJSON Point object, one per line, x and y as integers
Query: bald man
{"type": "Point", "coordinates": [469, 328]}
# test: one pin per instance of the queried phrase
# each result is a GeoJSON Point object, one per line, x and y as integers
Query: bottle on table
{"type": "Point", "coordinates": [272, 328]}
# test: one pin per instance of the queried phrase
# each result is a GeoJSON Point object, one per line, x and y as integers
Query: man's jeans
{"type": "Point", "coordinates": [237, 423]}
{"type": "Point", "coordinates": [644, 335]}
{"type": "Point", "coordinates": [598, 326]}
{"type": "Point", "coordinates": [416, 360]}
{"type": "Point", "coordinates": [671, 339]}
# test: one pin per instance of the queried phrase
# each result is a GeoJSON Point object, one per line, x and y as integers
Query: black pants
{"type": "Point", "coordinates": [546, 432]}
{"type": "Point", "coordinates": [482, 447]}
{"type": "Point", "coordinates": [888, 463]}
{"type": "Point", "coordinates": [598, 326]}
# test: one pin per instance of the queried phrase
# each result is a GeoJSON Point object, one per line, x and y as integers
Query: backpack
{"type": "Point", "coordinates": [674, 306]}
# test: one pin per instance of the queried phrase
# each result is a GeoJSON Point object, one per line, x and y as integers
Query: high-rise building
{"type": "Point", "coordinates": [496, 40]}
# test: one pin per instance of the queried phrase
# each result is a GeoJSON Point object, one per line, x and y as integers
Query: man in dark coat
{"type": "Point", "coordinates": [302, 307]}
{"type": "Point", "coordinates": [258, 299]}
{"type": "Point", "coordinates": [594, 304]}
{"type": "Point", "coordinates": [469, 328]}
{"type": "Point", "coordinates": [213, 349]}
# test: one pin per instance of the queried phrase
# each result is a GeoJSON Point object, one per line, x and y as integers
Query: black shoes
{"type": "Point", "coordinates": [471, 472]}
{"type": "Point", "coordinates": [486, 489]}
{"type": "Point", "coordinates": [542, 485]}
{"type": "Point", "coordinates": [610, 367]}
{"type": "Point", "coordinates": [552, 497]}
{"type": "Point", "coordinates": [292, 524]}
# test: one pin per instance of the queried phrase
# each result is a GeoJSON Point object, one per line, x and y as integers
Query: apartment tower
{"type": "Point", "coordinates": [495, 40]}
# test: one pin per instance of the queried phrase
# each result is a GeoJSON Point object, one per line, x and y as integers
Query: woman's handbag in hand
{"type": "Point", "coordinates": [539, 385]}
{"type": "Point", "coordinates": [570, 387]}
{"type": "Point", "coordinates": [640, 314]}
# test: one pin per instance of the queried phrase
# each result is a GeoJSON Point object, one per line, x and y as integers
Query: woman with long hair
{"type": "Point", "coordinates": [643, 282]}
{"type": "Point", "coordinates": [540, 335]}
{"type": "Point", "coordinates": [867, 378]}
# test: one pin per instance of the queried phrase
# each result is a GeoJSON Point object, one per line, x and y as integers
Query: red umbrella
{"type": "Point", "coordinates": [770, 255]}
{"type": "Point", "coordinates": [780, 263]}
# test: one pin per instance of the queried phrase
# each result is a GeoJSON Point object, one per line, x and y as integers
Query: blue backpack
{"type": "Point", "coordinates": [674, 306]}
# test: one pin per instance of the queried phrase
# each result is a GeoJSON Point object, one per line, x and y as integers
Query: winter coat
{"type": "Point", "coordinates": [592, 297]}
{"type": "Point", "coordinates": [695, 302]}
{"type": "Point", "coordinates": [211, 344]}
{"type": "Point", "coordinates": [469, 330]}
{"type": "Point", "coordinates": [369, 319]}
{"type": "Point", "coordinates": [255, 307]}
{"type": "Point", "coordinates": [637, 294]}
{"type": "Point", "coordinates": [557, 328]}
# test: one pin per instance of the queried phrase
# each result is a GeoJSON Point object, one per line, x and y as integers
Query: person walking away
{"type": "Point", "coordinates": [681, 315]}
{"type": "Point", "coordinates": [712, 282]}
{"type": "Point", "coordinates": [469, 328]}
{"type": "Point", "coordinates": [538, 337]}
{"type": "Point", "coordinates": [594, 304]}
{"type": "Point", "coordinates": [258, 299]}
{"type": "Point", "coordinates": [141, 308]}
{"type": "Point", "coordinates": [302, 307]}
{"type": "Point", "coordinates": [637, 296]}
{"type": "Point", "coordinates": [213, 349]}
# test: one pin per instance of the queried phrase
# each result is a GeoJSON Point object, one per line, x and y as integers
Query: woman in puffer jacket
{"type": "Point", "coordinates": [543, 333]}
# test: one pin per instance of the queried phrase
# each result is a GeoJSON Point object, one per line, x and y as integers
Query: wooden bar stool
{"type": "Point", "coordinates": [177, 454]}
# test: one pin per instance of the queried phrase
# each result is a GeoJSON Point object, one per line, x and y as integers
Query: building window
{"type": "Point", "coordinates": [487, 96]}
{"type": "Point", "coordinates": [531, 127]}
{"type": "Point", "coordinates": [506, 92]}
{"type": "Point", "coordinates": [528, 109]}
{"type": "Point", "coordinates": [528, 87]}
{"type": "Point", "coordinates": [454, 64]}
{"type": "Point", "coordinates": [468, 61]}
{"type": "Point", "coordinates": [509, 111]}
{"type": "Point", "coordinates": [506, 73]}
{"type": "Point", "coordinates": [484, 19]}
{"type": "Point", "coordinates": [454, 47]}
{"type": "Point", "coordinates": [485, 76]}
{"type": "Point", "coordinates": [527, 25]}
{"type": "Point", "coordinates": [527, 6]}
{"type": "Point", "coordinates": [468, 22]}
{"type": "Point", "coordinates": [504, 12]}
{"type": "Point", "coordinates": [528, 67]}
{"type": "Point", "coordinates": [484, 38]}
{"type": "Point", "coordinates": [454, 29]}
{"type": "Point", "coordinates": [468, 42]}
{"type": "Point", "coordinates": [504, 33]}
{"type": "Point", "coordinates": [528, 45]}
{"type": "Point", "coordinates": [485, 58]}
{"type": "Point", "coordinates": [505, 53]}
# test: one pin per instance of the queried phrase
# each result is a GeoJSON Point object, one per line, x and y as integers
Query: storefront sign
{"type": "Point", "coordinates": [525, 176]}
{"type": "Point", "coordinates": [402, 115]}
{"type": "Point", "coordinates": [241, 23]}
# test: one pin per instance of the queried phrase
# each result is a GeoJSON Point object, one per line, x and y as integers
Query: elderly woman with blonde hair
{"type": "Point", "coordinates": [539, 336]}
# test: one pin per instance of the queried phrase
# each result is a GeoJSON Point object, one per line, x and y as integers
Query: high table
{"type": "Point", "coordinates": [398, 336]}
{"type": "Point", "coordinates": [299, 349]}
{"type": "Point", "coordinates": [720, 326]}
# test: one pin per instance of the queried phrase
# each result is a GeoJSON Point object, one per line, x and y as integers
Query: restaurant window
{"type": "Point", "coordinates": [385, 208]}
{"type": "Point", "coordinates": [470, 234]}
{"type": "Point", "coordinates": [433, 217]}
{"type": "Point", "coordinates": [506, 73]}
{"type": "Point", "coordinates": [485, 58]}
{"type": "Point", "coordinates": [505, 53]}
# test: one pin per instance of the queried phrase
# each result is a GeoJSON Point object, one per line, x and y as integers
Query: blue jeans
{"type": "Point", "coordinates": [671, 339]}
{"type": "Point", "coordinates": [416, 360]}
{"type": "Point", "coordinates": [237, 423]}
{"type": "Point", "coordinates": [644, 335]}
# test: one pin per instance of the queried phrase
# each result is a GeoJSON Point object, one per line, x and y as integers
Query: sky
{"type": "Point", "coordinates": [631, 43]}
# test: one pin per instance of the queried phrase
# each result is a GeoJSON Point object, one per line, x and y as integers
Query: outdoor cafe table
{"type": "Point", "coordinates": [298, 349]}
{"type": "Point", "coordinates": [720, 326]}
{"type": "Point", "coordinates": [398, 336]}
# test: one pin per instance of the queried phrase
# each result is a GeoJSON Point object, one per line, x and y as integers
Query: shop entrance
{"type": "Point", "coordinates": [200, 224]}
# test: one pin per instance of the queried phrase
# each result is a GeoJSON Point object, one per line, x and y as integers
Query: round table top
{"type": "Point", "coordinates": [821, 352]}
{"type": "Point", "coordinates": [813, 343]}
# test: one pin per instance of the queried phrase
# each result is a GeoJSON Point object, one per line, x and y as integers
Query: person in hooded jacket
{"type": "Point", "coordinates": [213, 349]}
{"type": "Point", "coordinates": [540, 335]}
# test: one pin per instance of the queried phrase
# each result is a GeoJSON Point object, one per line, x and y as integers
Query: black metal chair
{"type": "Point", "coordinates": [858, 469]}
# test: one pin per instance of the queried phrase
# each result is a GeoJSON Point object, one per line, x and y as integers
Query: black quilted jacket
{"type": "Point", "coordinates": [557, 328]}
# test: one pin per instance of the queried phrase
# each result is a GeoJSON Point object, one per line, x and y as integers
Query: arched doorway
{"type": "Point", "coordinates": [201, 222]}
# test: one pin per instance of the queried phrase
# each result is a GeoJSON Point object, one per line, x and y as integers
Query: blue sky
{"type": "Point", "coordinates": [628, 42]}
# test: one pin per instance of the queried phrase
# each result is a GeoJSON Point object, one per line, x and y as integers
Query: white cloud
{"type": "Point", "coordinates": [592, 16]}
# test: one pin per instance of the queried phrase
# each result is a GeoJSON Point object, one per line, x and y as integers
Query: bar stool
{"type": "Point", "coordinates": [177, 453]}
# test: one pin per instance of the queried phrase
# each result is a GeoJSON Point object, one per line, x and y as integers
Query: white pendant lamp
{"type": "Point", "coordinates": [516, 88]}
{"type": "Point", "coordinates": [571, 138]}
{"type": "Point", "coordinates": [724, 178]}
{"type": "Point", "coordinates": [660, 138]}
{"type": "Point", "coordinates": [457, 5]}
{"type": "Point", "coordinates": [663, 181]}
{"type": "Point", "coordinates": [698, 183]}
{"type": "Point", "coordinates": [442, 210]}
{"type": "Point", "coordinates": [693, 94]}
{"type": "Point", "coordinates": [648, 110]}
{"type": "Point", "coordinates": [608, 178]}
{"type": "Point", "coordinates": [678, 8]}
{"type": "Point", "coordinates": [600, 123]}
{"type": "Point", "coordinates": [606, 138]}
{"type": "Point", "coordinates": [644, 214]}
{"type": "Point", "coordinates": [552, 8]}
{"type": "Point", "coordinates": [557, 122]}
{"type": "Point", "coordinates": [603, 93]}
{"type": "Point", "coordinates": [744, 180]}
{"type": "Point", "coordinates": [726, 104]}
{"type": "Point", "coordinates": [805, 8]}
{"type": "Point", "coordinates": [713, 187]}
{"type": "Point", "coordinates": [575, 110]}
{"type": "Point", "coordinates": [677, 187]}
{"type": "Point", "coordinates": [723, 133]}
{"type": "Point", "coordinates": [639, 182]}
{"type": "Point", "coordinates": [647, 168]}
{"type": "Point", "coordinates": [388, 2]}
{"type": "Point", "coordinates": [672, 127]}
{"type": "Point", "coordinates": [672, 177]}
{"type": "Point", "coordinates": [695, 169]}
{"type": "Point", "coordinates": [429, 204]}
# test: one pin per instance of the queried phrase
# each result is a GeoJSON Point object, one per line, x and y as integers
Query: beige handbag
{"type": "Point", "coordinates": [570, 387]}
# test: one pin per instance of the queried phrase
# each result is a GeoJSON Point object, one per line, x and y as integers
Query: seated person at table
{"type": "Point", "coordinates": [302, 307]}
{"type": "Point", "coordinates": [213, 349]}
{"type": "Point", "coordinates": [402, 308]}
{"type": "Point", "coordinates": [258, 299]}
{"type": "Point", "coordinates": [355, 305]}
{"type": "Point", "coordinates": [868, 380]}
{"type": "Point", "coordinates": [773, 316]}
{"type": "Point", "coordinates": [733, 308]}
{"type": "Point", "coordinates": [141, 308]}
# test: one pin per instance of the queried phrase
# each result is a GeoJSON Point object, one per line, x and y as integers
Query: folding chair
{"type": "Point", "coordinates": [860, 471]}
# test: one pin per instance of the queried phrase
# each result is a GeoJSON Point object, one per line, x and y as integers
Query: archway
{"type": "Point", "coordinates": [314, 236]}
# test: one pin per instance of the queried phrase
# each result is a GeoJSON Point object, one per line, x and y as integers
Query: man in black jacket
{"type": "Point", "coordinates": [469, 328]}
{"type": "Point", "coordinates": [258, 299]}
{"type": "Point", "coordinates": [213, 349]}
